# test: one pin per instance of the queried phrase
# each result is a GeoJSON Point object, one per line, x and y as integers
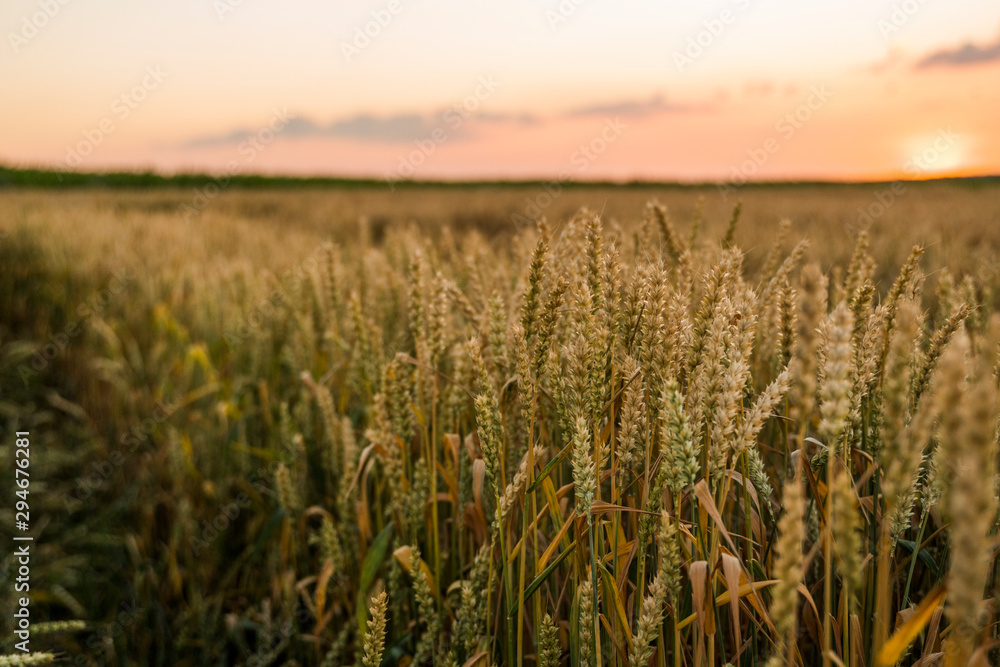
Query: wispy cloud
{"type": "Point", "coordinates": [963, 56]}
{"type": "Point", "coordinates": [516, 118]}
{"type": "Point", "coordinates": [365, 127]}
{"type": "Point", "coordinates": [459, 123]}
{"type": "Point", "coordinates": [399, 128]}
{"type": "Point", "coordinates": [635, 108]}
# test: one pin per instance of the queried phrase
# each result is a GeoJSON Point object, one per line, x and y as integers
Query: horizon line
{"type": "Point", "coordinates": [43, 176]}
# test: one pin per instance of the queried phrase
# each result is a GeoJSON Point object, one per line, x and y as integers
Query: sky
{"type": "Point", "coordinates": [727, 90]}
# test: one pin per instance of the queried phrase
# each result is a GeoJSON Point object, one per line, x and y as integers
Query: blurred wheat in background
{"type": "Point", "coordinates": [610, 439]}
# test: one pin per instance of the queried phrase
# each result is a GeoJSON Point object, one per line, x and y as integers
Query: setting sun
{"type": "Point", "coordinates": [935, 154]}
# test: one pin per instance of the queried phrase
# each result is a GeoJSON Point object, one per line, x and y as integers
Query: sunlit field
{"type": "Point", "coordinates": [531, 424]}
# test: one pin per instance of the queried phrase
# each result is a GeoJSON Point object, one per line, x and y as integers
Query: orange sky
{"type": "Point", "coordinates": [583, 89]}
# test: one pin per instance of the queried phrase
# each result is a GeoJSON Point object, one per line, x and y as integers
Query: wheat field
{"type": "Point", "coordinates": [648, 426]}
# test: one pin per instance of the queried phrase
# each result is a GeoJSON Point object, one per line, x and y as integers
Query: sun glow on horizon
{"type": "Point", "coordinates": [934, 154]}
